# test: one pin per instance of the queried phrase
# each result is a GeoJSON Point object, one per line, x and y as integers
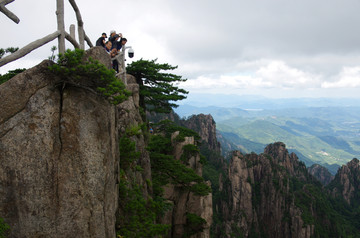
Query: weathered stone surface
{"type": "Point", "coordinates": [97, 53]}
{"type": "Point", "coordinates": [321, 173]}
{"type": "Point", "coordinates": [206, 127]}
{"type": "Point", "coordinates": [347, 182]}
{"type": "Point", "coordinates": [58, 153]}
{"type": "Point", "coordinates": [257, 195]}
{"type": "Point", "coordinates": [129, 117]}
{"type": "Point", "coordinates": [185, 201]}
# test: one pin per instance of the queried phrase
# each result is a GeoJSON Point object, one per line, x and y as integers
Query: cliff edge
{"type": "Point", "coordinates": [58, 153]}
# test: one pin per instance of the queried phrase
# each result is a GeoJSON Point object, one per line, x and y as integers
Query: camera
{"type": "Point", "coordinates": [131, 53]}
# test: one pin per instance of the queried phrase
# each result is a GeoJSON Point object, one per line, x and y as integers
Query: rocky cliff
{"type": "Point", "coordinates": [346, 183]}
{"type": "Point", "coordinates": [273, 195]}
{"type": "Point", "coordinates": [260, 202]}
{"type": "Point", "coordinates": [59, 157]}
{"type": "Point", "coordinates": [62, 174]}
{"type": "Point", "coordinates": [185, 202]}
{"type": "Point", "coordinates": [206, 127]}
{"type": "Point", "coordinates": [321, 173]}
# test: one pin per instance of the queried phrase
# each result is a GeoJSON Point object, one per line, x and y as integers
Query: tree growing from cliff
{"type": "Point", "coordinates": [157, 87]}
{"type": "Point", "coordinates": [71, 66]}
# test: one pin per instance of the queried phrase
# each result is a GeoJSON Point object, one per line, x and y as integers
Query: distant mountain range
{"type": "Point", "coordinates": [328, 134]}
{"type": "Point", "coordinates": [246, 102]}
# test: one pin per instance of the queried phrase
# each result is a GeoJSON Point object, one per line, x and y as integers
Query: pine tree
{"type": "Point", "coordinates": [157, 90]}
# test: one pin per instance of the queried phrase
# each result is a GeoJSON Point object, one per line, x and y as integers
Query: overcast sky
{"type": "Point", "coordinates": [276, 48]}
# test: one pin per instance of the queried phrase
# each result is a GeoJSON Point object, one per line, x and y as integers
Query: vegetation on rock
{"type": "Point", "coordinates": [166, 169]}
{"type": "Point", "coordinates": [72, 67]}
{"type": "Point", "coordinates": [4, 227]}
{"type": "Point", "coordinates": [139, 214]}
{"type": "Point", "coordinates": [194, 224]}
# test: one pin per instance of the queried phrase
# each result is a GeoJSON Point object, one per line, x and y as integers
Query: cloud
{"type": "Point", "coordinates": [349, 77]}
{"type": "Point", "coordinates": [274, 74]}
{"type": "Point", "coordinates": [278, 74]}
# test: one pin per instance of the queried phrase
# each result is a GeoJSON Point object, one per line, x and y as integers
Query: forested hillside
{"type": "Point", "coordinates": [318, 135]}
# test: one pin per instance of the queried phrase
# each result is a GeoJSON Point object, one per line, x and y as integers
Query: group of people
{"type": "Point", "coordinates": [113, 45]}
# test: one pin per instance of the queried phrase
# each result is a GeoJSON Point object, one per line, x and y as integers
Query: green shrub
{"type": "Point", "coordinates": [168, 127]}
{"type": "Point", "coordinates": [128, 153]}
{"type": "Point", "coordinates": [138, 214]}
{"type": "Point", "coordinates": [72, 66]}
{"type": "Point", "coordinates": [189, 151]}
{"type": "Point", "coordinates": [194, 224]}
{"type": "Point", "coordinates": [166, 169]}
{"type": "Point", "coordinates": [4, 228]}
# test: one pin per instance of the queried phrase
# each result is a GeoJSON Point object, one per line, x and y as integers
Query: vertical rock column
{"type": "Point", "coordinates": [58, 155]}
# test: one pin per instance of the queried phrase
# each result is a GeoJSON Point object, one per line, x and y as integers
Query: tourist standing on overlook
{"type": "Point", "coordinates": [112, 36]}
{"type": "Point", "coordinates": [111, 52]}
{"type": "Point", "coordinates": [115, 41]}
{"type": "Point", "coordinates": [115, 46]}
{"type": "Point", "coordinates": [121, 43]}
{"type": "Point", "coordinates": [101, 40]}
{"type": "Point", "coordinates": [108, 46]}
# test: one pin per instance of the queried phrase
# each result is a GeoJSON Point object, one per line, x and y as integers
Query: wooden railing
{"type": "Point", "coordinates": [61, 34]}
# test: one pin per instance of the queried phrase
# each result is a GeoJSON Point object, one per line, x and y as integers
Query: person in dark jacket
{"type": "Point", "coordinates": [112, 36]}
{"type": "Point", "coordinates": [121, 43]}
{"type": "Point", "coordinates": [115, 45]}
{"type": "Point", "coordinates": [115, 41]}
{"type": "Point", "coordinates": [101, 40]}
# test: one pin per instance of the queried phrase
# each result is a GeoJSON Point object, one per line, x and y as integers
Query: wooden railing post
{"type": "Point", "coordinates": [81, 32]}
{"type": "Point", "coordinates": [72, 30]}
{"type": "Point", "coordinates": [8, 13]}
{"type": "Point", "coordinates": [28, 48]}
{"type": "Point", "coordinates": [61, 34]}
{"type": "Point", "coordinates": [61, 24]}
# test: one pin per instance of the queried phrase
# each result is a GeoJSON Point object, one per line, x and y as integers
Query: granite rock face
{"type": "Point", "coordinates": [129, 117]}
{"type": "Point", "coordinates": [321, 173]}
{"type": "Point", "coordinates": [258, 193]}
{"type": "Point", "coordinates": [205, 126]}
{"type": "Point", "coordinates": [347, 182]}
{"type": "Point", "coordinates": [58, 153]}
{"type": "Point", "coordinates": [184, 201]}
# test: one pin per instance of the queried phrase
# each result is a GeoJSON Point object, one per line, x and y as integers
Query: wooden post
{"type": "Point", "coordinates": [61, 24]}
{"type": "Point", "coordinates": [72, 40]}
{"type": "Point", "coordinates": [80, 24]}
{"type": "Point", "coordinates": [88, 41]}
{"type": "Point", "coordinates": [61, 34]}
{"type": "Point", "coordinates": [8, 13]}
{"type": "Point", "coordinates": [28, 48]}
{"type": "Point", "coordinates": [72, 31]}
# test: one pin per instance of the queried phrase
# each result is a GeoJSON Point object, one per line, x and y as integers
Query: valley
{"type": "Point", "coordinates": [326, 135]}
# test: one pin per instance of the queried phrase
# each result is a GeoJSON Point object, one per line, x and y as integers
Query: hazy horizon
{"type": "Point", "coordinates": [239, 101]}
